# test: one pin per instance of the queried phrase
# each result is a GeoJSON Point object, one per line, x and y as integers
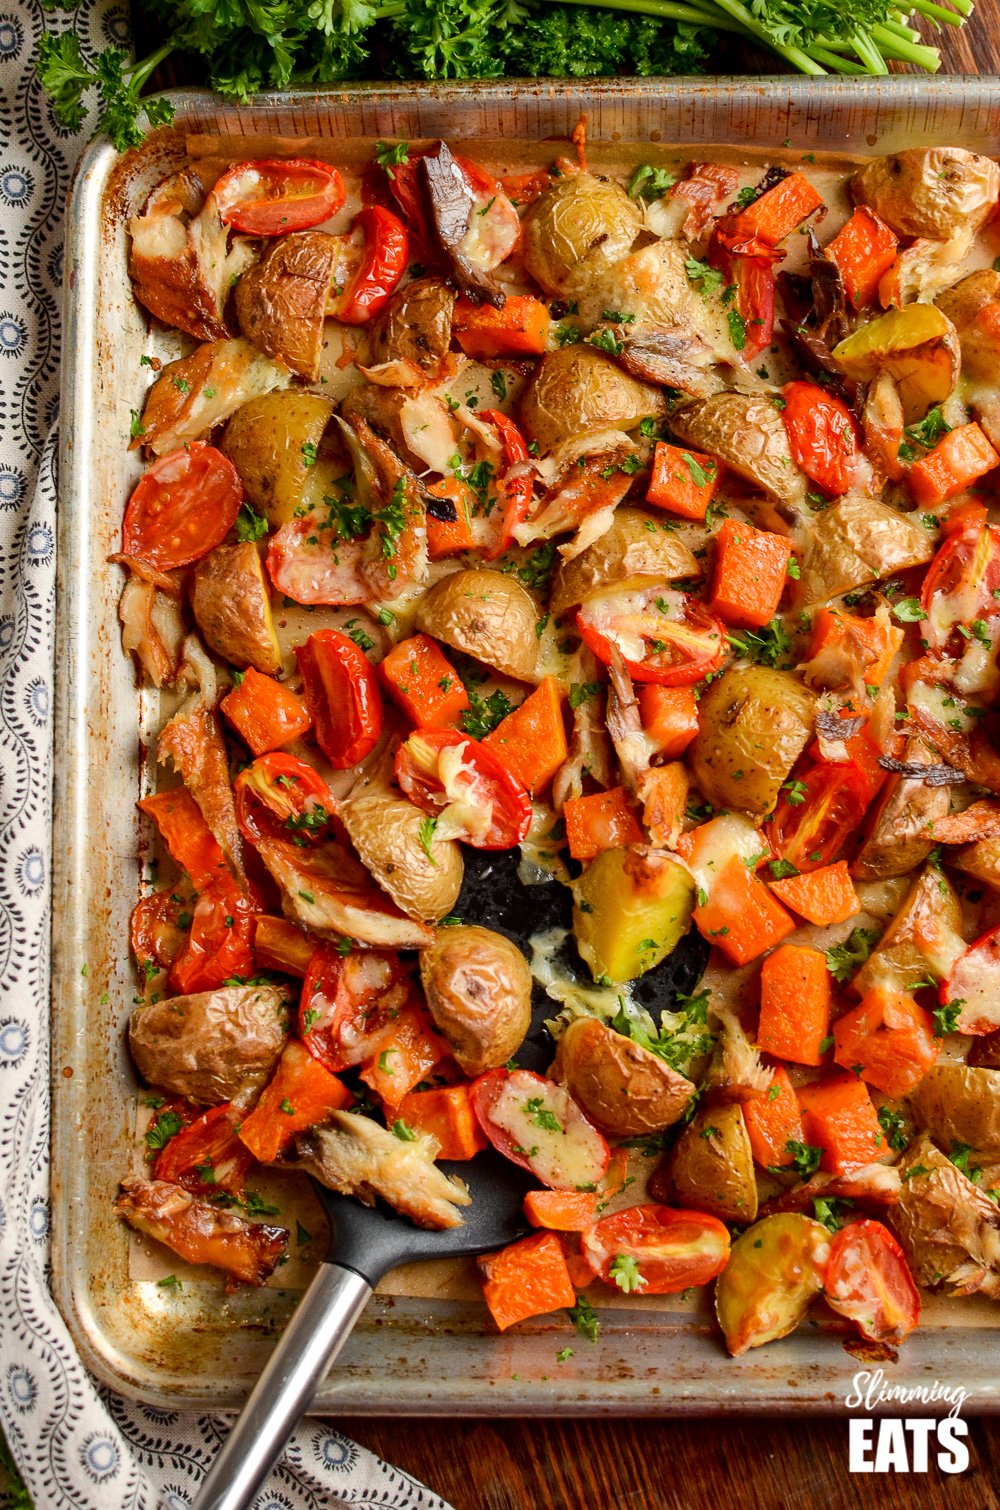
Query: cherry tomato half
{"type": "Point", "coordinates": [471, 781]}
{"type": "Point", "coordinates": [182, 507]}
{"type": "Point", "coordinates": [350, 1004]}
{"type": "Point", "coordinates": [159, 926]}
{"type": "Point", "coordinates": [672, 1250]}
{"type": "Point", "coordinates": [342, 695]}
{"type": "Point", "coordinates": [817, 814]}
{"type": "Point", "coordinates": [220, 944]}
{"type": "Point", "coordinates": [663, 635]}
{"type": "Point", "coordinates": [536, 1123]}
{"type": "Point", "coordinates": [383, 262]}
{"type": "Point", "coordinates": [273, 197]}
{"type": "Point", "coordinates": [515, 491]}
{"type": "Point", "coordinates": [821, 435]}
{"type": "Point", "coordinates": [207, 1155]}
{"type": "Point", "coordinates": [868, 1280]}
{"type": "Point", "coordinates": [959, 584]}
{"type": "Point", "coordinates": [754, 282]}
{"type": "Point", "coordinates": [279, 796]}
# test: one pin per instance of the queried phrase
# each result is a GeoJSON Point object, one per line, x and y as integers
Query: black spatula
{"type": "Point", "coordinates": [365, 1243]}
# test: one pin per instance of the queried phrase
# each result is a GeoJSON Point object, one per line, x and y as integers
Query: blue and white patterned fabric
{"type": "Point", "coordinates": [76, 1444]}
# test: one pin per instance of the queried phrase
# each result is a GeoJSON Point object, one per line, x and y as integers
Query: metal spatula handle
{"type": "Point", "coordinates": [323, 1320]}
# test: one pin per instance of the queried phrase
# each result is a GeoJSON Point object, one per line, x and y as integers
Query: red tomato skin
{"type": "Point", "coordinates": [210, 1140]}
{"type": "Point", "coordinates": [517, 492]}
{"type": "Point", "coordinates": [844, 791]}
{"type": "Point", "coordinates": [256, 819]}
{"type": "Point", "coordinates": [279, 215]}
{"type": "Point", "coordinates": [484, 1095]}
{"type": "Point", "coordinates": [511, 800]}
{"type": "Point", "coordinates": [641, 1229]}
{"type": "Point", "coordinates": [821, 435]}
{"type": "Point", "coordinates": [967, 564]}
{"type": "Point", "coordinates": [685, 674]}
{"type": "Point", "coordinates": [866, 1253]}
{"type": "Point", "coordinates": [383, 263]}
{"type": "Point", "coordinates": [220, 944]}
{"type": "Point", "coordinates": [166, 527]}
{"type": "Point", "coordinates": [342, 695]}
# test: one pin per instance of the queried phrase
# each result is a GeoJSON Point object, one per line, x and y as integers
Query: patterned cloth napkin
{"type": "Point", "coordinates": [76, 1444]}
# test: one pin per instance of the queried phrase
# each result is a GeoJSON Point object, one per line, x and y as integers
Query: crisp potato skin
{"type": "Point", "coordinates": [578, 390]}
{"type": "Point", "coordinates": [754, 724]}
{"type": "Point", "coordinates": [622, 1086]}
{"type": "Point", "coordinates": [281, 302]}
{"type": "Point", "coordinates": [636, 545]}
{"type": "Point", "coordinates": [747, 431]}
{"type": "Point", "coordinates": [232, 605]}
{"type": "Point", "coordinates": [478, 989]}
{"type": "Point", "coordinates": [212, 1046]}
{"type": "Point", "coordinates": [929, 191]}
{"type": "Point", "coordinates": [385, 831]}
{"type": "Point", "coordinates": [960, 1103]}
{"type": "Point", "coordinates": [577, 228]}
{"type": "Point", "coordinates": [857, 541]}
{"type": "Point", "coordinates": [486, 614]}
{"type": "Point", "coordinates": [264, 440]}
{"type": "Point", "coordinates": [415, 325]}
{"type": "Point", "coordinates": [900, 835]}
{"type": "Point", "coordinates": [711, 1167]}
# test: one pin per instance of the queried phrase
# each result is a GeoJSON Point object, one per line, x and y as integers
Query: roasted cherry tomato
{"type": "Point", "coordinates": [960, 581]}
{"type": "Point", "coordinates": [445, 772]}
{"type": "Point", "coordinates": [220, 944]}
{"type": "Point", "coordinates": [516, 481]}
{"type": "Point", "coordinates": [536, 1123]}
{"type": "Point", "coordinates": [273, 197]}
{"type": "Point", "coordinates": [663, 635]}
{"type": "Point", "coordinates": [817, 814]}
{"type": "Point", "coordinates": [868, 1280]}
{"type": "Point", "coordinates": [753, 279]}
{"type": "Point", "coordinates": [350, 1004]}
{"type": "Point", "coordinates": [974, 982]}
{"type": "Point", "coordinates": [182, 507]}
{"type": "Point", "coordinates": [159, 927]}
{"type": "Point", "coordinates": [821, 435]}
{"type": "Point", "coordinates": [383, 262]}
{"type": "Point", "coordinates": [280, 797]}
{"type": "Point", "coordinates": [342, 695]}
{"type": "Point", "coordinates": [207, 1155]}
{"type": "Point", "coordinates": [655, 1250]}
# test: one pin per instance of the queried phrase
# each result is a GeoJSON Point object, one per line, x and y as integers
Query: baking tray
{"type": "Point", "coordinates": [415, 1356]}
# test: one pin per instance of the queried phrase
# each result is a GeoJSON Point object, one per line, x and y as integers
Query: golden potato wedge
{"type": "Point", "coordinates": [579, 226]}
{"type": "Point", "coordinates": [423, 881]}
{"type": "Point", "coordinates": [747, 431]}
{"type": "Point", "coordinates": [636, 545]}
{"type": "Point", "coordinates": [271, 442]}
{"type": "Point", "coordinates": [925, 935]}
{"type": "Point", "coordinates": [625, 1089]}
{"type": "Point", "coordinates": [281, 302]}
{"type": "Point", "coordinates": [631, 908]}
{"type": "Point", "coordinates": [960, 1103]}
{"type": "Point", "coordinates": [917, 345]}
{"type": "Point", "coordinates": [488, 615]}
{"type": "Point", "coordinates": [775, 1269]}
{"type": "Point", "coordinates": [578, 390]}
{"type": "Point", "coordinates": [855, 542]}
{"type": "Point", "coordinates": [711, 1165]}
{"type": "Point", "coordinates": [753, 724]}
{"type": "Point", "coordinates": [232, 606]}
{"type": "Point", "coordinates": [929, 191]}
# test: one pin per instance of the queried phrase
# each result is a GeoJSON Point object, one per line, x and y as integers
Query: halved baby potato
{"type": "Point", "coordinates": [272, 441]}
{"type": "Point", "coordinates": [232, 607]}
{"type": "Point", "coordinates": [626, 1090]}
{"type": "Point", "coordinates": [631, 909]}
{"type": "Point", "coordinates": [917, 345]}
{"type": "Point", "coordinates": [775, 1269]}
{"type": "Point", "coordinates": [636, 545]}
{"type": "Point", "coordinates": [711, 1165]}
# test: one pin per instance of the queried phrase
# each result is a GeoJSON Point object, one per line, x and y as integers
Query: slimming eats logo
{"type": "Point", "coordinates": [905, 1444]}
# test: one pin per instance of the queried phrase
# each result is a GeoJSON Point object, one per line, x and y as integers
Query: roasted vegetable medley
{"type": "Point", "coordinates": [636, 526]}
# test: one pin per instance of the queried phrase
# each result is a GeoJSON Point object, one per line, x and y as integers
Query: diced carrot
{"type": "Point", "coordinates": [845, 643]}
{"type": "Point", "coordinates": [186, 834]}
{"type": "Point", "coordinates": [300, 1093]}
{"type": "Point", "coordinates": [280, 945]}
{"type": "Point", "coordinates": [531, 741]}
{"type": "Point", "coordinates": [447, 537]}
{"type": "Point", "coordinates": [888, 1039]}
{"type": "Point", "coordinates": [741, 916]}
{"type": "Point", "coordinates": [264, 713]}
{"type": "Point", "coordinates": [683, 481]}
{"type": "Point", "coordinates": [447, 1114]}
{"type": "Point", "coordinates": [602, 820]}
{"type": "Point", "coordinates": [794, 1004]}
{"type": "Point", "coordinates": [528, 1278]}
{"type": "Point", "coordinates": [751, 567]}
{"type": "Point", "coordinates": [838, 1116]}
{"type": "Point", "coordinates": [560, 1210]}
{"type": "Point", "coordinates": [958, 460]}
{"type": "Point", "coordinates": [821, 896]}
{"type": "Point", "coordinates": [775, 214]}
{"type": "Point", "coordinates": [407, 1058]}
{"type": "Point", "coordinates": [863, 250]}
{"type": "Point", "coordinates": [664, 794]}
{"type": "Point", "coordinates": [773, 1121]}
{"type": "Point", "coordinates": [669, 716]}
{"type": "Point", "coordinates": [520, 329]}
{"type": "Point", "coordinates": [424, 683]}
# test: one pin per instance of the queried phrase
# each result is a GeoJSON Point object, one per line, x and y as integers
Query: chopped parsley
{"type": "Point", "coordinates": [624, 1270]}
{"type": "Point", "coordinates": [844, 959]}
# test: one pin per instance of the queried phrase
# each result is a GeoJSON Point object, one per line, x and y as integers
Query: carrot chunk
{"type": "Point", "coordinates": [447, 537]}
{"type": "Point", "coordinates": [600, 821]}
{"type": "Point", "coordinates": [741, 916]}
{"type": "Point", "coordinates": [669, 716]}
{"type": "Point", "coordinates": [794, 1004]}
{"type": "Point", "coordinates": [445, 1113]}
{"type": "Point", "coordinates": [664, 794]}
{"type": "Point", "coordinates": [888, 1039]}
{"type": "Point", "coordinates": [773, 1120]}
{"type": "Point", "coordinates": [560, 1210]}
{"type": "Point", "coordinates": [956, 462]}
{"type": "Point", "coordinates": [682, 481]}
{"type": "Point", "coordinates": [300, 1093]}
{"type": "Point", "coordinates": [424, 683]}
{"type": "Point", "coordinates": [863, 250]}
{"type": "Point", "coordinates": [821, 896]}
{"type": "Point", "coordinates": [531, 741]}
{"type": "Point", "coordinates": [187, 836]}
{"type": "Point", "coordinates": [750, 570]}
{"type": "Point", "coordinates": [264, 713]}
{"type": "Point", "coordinates": [520, 329]}
{"type": "Point", "coordinates": [838, 1116]}
{"type": "Point", "coordinates": [775, 214]}
{"type": "Point", "coordinates": [407, 1058]}
{"type": "Point", "coordinates": [841, 644]}
{"type": "Point", "coordinates": [528, 1278]}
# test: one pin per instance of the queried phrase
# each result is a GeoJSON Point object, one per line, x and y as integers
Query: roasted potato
{"type": "Point", "coordinates": [213, 1046]}
{"type": "Point", "coordinates": [478, 989]}
{"type": "Point", "coordinates": [948, 1229]}
{"type": "Point", "coordinates": [423, 881]}
{"type": "Point", "coordinates": [269, 441]}
{"type": "Point", "coordinates": [917, 345]}
{"type": "Point", "coordinates": [631, 908]}
{"type": "Point", "coordinates": [981, 860]}
{"type": "Point", "coordinates": [747, 431]}
{"type": "Point", "coordinates": [488, 615]}
{"type": "Point", "coordinates": [929, 191]}
{"type": "Point", "coordinates": [281, 303]}
{"type": "Point", "coordinates": [775, 1269]}
{"type": "Point", "coordinates": [636, 545]}
{"type": "Point", "coordinates": [415, 325]}
{"type": "Point", "coordinates": [650, 285]}
{"type": "Point", "coordinates": [711, 1167]}
{"type": "Point", "coordinates": [622, 1086]}
{"type": "Point", "coordinates": [925, 935]}
{"type": "Point", "coordinates": [985, 1051]}
{"type": "Point", "coordinates": [960, 1103]}
{"type": "Point", "coordinates": [195, 394]}
{"type": "Point", "coordinates": [578, 390]}
{"type": "Point", "coordinates": [753, 724]}
{"type": "Point", "coordinates": [232, 607]}
{"type": "Point", "coordinates": [576, 229]}
{"type": "Point", "coordinates": [973, 307]}
{"type": "Point", "coordinates": [898, 836]}
{"type": "Point", "coordinates": [857, 541]}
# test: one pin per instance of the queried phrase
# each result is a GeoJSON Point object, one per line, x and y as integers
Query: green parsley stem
{"type": "Point", "coordinates": [794, 55]}
{"type": "Point", "coordinates": [671, 10]}
{"type": "Point", "coordinates": [140, 72]}
{"type": "Point", "coordinates": [927, 58]}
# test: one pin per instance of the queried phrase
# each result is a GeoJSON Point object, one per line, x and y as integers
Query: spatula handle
{"type": "Point", "coordinates": [321, 1324]}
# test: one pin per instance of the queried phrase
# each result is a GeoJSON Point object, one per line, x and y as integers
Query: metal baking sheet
{"type": "Point", "coordinates": [418, 1356]}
